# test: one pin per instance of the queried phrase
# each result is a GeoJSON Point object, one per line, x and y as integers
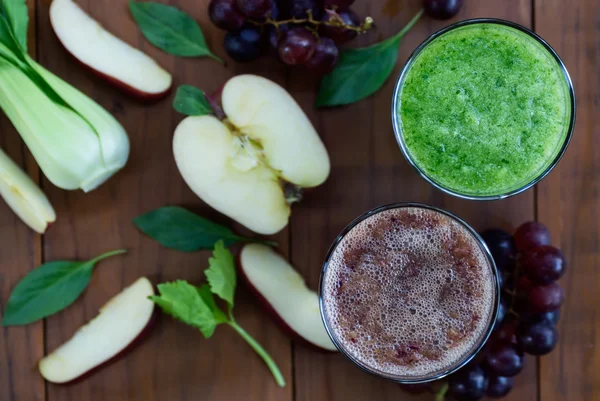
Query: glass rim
{"type": "Point", "coordinates": [484, 337]}
{"type": "Point", "coordinates": [543, 173]}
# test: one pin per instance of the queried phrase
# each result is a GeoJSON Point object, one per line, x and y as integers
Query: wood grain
{"type": "Point", "coordinates": [368, 171]}
{"type": "Point", "coordinates": [567, 203]}
{"type": "Point", "coordinates": [20, 347]}
{"type": "Point", "coordinates": [175, 362]}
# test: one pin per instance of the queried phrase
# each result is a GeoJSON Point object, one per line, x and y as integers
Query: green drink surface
{"type": "Point", "coordinates": [484, 109]}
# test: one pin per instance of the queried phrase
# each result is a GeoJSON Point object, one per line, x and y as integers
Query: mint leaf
{"type": "Point", "coordinates": [177, 228]}
{"type": "Point", "coordinates": [170, 29]}
{"type": "Point", "coordinates": [209, 299]}
{"type": "Point", "coordinates": [191, 101]}
{"type": "Point", "coordinates": [361, 72]}
{"type": "Point", "coordinates": [48, 289]}
{"type": "Point", "coordinates": [15, 12]}
{"type": "Point", "coordinates": [221, 273]}
{"type": "Point", "coordinates": [183, 301]}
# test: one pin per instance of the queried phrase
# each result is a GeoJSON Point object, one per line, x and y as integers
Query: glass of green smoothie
{"type": "Point", "coordinates": [484, 109]}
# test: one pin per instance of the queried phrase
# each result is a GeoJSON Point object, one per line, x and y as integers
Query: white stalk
{"type": "Point", "coordinates": [24, 197]}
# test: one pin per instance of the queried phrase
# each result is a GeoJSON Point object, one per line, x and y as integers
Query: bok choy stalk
{"type": "Point", "coordinates": [76, 142]}
{"type": "Point", "coordinates": [24, 197]}
{"type": "Point", "coordinates": [77, 146]}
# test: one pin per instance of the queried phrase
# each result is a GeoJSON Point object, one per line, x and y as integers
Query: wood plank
{"type": "Point", "coordinates": [369, 170]}
{"type": "Point", "coordinates": [568, 204]}
{"type": "Point", "coordinates": [20, 347]}
{"type": "Point", "coordinates": [175, 362]}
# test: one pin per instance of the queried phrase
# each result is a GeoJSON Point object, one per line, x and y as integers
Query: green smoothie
{"type": "Point", "coordinates": [484, 109]}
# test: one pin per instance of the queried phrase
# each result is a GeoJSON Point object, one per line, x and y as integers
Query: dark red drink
{"type": "Point", "coordinates": [409, 293]}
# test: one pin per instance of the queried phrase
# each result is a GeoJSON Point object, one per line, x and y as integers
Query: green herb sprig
{"type": "Point", "coordinates": [50, 288]}
{"type": "Point", "coordinates": [361, 72]}
{"type": "Point", "coordinates": [170, 29]}
{"type": "Point", "coordinates": [177, 228]}
{"type": "Point", "coordinates": [196, 306]}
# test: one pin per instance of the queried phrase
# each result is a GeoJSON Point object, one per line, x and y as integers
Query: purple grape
{"type": "Point", "coordinates": [537, 338]}
{"type": "Point", "coordinates": [502, 309]}
{"type": "Point", "coordinates": [442, 9]}
{"type": "Point", "coordinates": [255, 8]}
{"type": "Point", "coordinates": [502, 247]}
{"type": "Point", "coordinates": [297, 46]}
{"type": "Point", "coordinates": [504, 360]}
{"type": "Point", "coordinates": [543, 264]}
{"type": "Point", "coordinates": [468, 384]}
{"type": "Point", "coordinates": [337, 33]}
{"type": "Point", "coordinates": [552, 317]}
{"type": "Point", "coordinates": [499, 386]}
{"type": "Point", "coordinates": [226, 15]}
{"type": "Point", "coordinates": [531, 235]}
{"type": "Point", "coordinates": [545, 298]}
{"type": "Point", "coordinates": [325, 57]}
{"type": "Point", "coordinates": [276, 35]}
{"type": "Point", "coordinates": [338, 4]}
{"type": "Point", "coordinates": [244, 45]}
{"type": "Point", "coordinates": [298, 8]}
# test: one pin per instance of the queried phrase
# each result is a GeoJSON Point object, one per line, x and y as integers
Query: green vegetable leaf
{"type": "Point", "coordinates": [48, 289]}
{"type": "Point", "coordinates": [361, 72]}
{"type": "Point", "coordinates": [15, 12]}
{"type": "Point", "coordinates": [177, 228]}
{"type": "Point", "coordinates": [221, 273]}
{"type": "Point", "coordinates": [191, 101]}
{"type": "Point", "coordinates": [170, 29]}
{"type": "Point", "coordinates": [184, 302]}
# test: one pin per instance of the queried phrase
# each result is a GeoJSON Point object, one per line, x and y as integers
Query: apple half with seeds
{"type": "Point", "coordinates": [252, 164]}
{"type": "Point", "coordinates": [284, 295]}
{"type": "Point", "coordinates": [121, 321]}
{"type": "Point", "coordinates": [120, 64]}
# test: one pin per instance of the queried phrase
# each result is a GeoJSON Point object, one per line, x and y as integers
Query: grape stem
{"type": "Point", "coordinates": [440, 396]}
{"type": "Point", "coordinates": [334, 20]}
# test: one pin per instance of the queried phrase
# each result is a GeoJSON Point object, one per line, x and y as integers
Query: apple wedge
{"type": "Point", "coordinates": [120, 322]}
{"type": "Point", "coordinates": [106, 55]}
{"type": "Point", "coordinates": [252, 165]}
{"type": "Point", "coordinates": [284, 294]}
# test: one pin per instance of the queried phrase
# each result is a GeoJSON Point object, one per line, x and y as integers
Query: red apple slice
{"type": "Point", "coordinates": [121, 320]}
{"type": "Point", "coordinates": [106, 55]}
{"type": "Point", "coordinates": [284, 294]}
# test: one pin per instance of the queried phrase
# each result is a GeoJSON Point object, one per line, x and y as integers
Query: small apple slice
{"type": "Point", "coordinates": [121, 320]}
{"type": "Point", "coordinates": [245, 165]}
{"type": "Point", "coordinates": [284, 294]}
{"type": "Point", "coordinates": [106, 55]}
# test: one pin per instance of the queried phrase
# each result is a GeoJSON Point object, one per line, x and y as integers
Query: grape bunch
{"type": "Point", "coordinates": [300, 32]}
{"type": "Point", "coordinates": [528, 268]}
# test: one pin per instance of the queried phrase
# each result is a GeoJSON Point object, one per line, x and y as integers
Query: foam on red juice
{"type": "Point", "coordinates": [409, 292]}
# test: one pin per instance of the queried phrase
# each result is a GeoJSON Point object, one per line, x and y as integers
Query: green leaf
{"type": "Point", "coordinates": [221, 273]}
{"type": "Point", "coordinates": [170, 29]}
{"type": "Point", "coordinates": [361, 72]}
{"type": "Point", "coordinates": [208, 298]}
{"type": "Point", "coordinates": [178, 228]}
{"type": "Point", "coordinates": [48, 289]}
{"type": "Point", "coordinates": [15, 12]}
{"type": "Point", "coordinates": [184, 302]}
{"type": "Point", "coordinates": [191, 101]}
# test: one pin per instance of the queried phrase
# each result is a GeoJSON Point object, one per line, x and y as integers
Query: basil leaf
{"type": "Point", "coordinates": [191, 101]}
{"type": "Point", "coordinates": [15, 12]}
{"type": "Point", "coordinates": [170, 29]}
{"type": "Point", "coordinates": [361, 72]}
{"type": "Point", "coordinates": [48, 289]}
{"type": "Point", "coordinates": [178, 228]}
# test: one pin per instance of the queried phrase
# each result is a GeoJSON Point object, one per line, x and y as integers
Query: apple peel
{"type": "Point", "coordinates": [120, 322]}
{"type": "Point", "coordinates": [283, 293]}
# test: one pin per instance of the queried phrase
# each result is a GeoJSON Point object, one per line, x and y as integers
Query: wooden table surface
{"type": "Point", "coordinates": [175, 362]}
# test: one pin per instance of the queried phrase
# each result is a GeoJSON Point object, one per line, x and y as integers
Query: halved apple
{"type": "Point", "coordinates": [120, 322]}
{"type": "Point", "coordinates": [284, 294]}
{"type": "Point", "coordinates": [250, 165]}
{"type": "Point", "coordinates": [106, 55]}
